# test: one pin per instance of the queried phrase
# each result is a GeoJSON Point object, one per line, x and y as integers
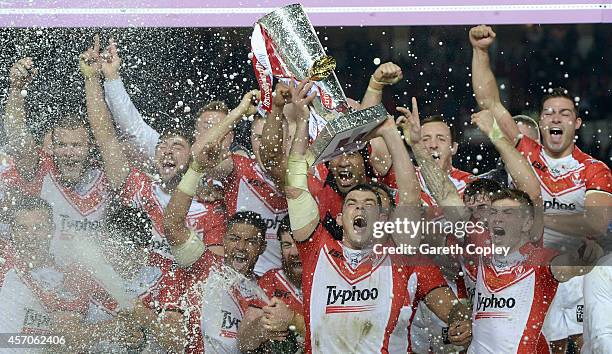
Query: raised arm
{"type": "Point", "coordinates": [116, 165]}
{"type": "Point", "coordinates": [408, 206]}
{"type": "Point", "coordinates": [437, 181]}
{"type": "Point", "coordinates": [184, 244]}
{"type": "Point", "coordinates": [484, 83]}
{"type": "Point", "coordinates": [129, 121]}
{"type": "Point", "coordinates": [272, 137]}
{"type": "Point", "coordinates": [516, 164]}
{"type": "Point", "coordinates": [303, 210]}
{"type": "Point", "coordinates": [21, 142]}
{"type": "Point", "coordinates": [385, 75]}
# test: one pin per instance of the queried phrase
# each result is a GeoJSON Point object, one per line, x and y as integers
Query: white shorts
{"type": "Point", "coordinates": [565, 315]}
{"type": "Point", "coordinates": [598, 309]}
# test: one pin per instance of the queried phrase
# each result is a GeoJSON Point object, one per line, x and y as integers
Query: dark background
{"type": "Point", "coordinates": [163, 66]}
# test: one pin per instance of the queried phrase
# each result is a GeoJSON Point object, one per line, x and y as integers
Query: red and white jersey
{"type": "Point", "coordinates": [511, 303]}
{"type": "Point", "coordinates": [78, 210]}
{"type": "Point", "coordinates": [249, 189]}
{"type": "Point", "coordinates": [275, 283]}
{"type": "Point", "coordinates": [208, 220]}
{"type": "Point", "coordinates": [565, 182]}
{"type": "Point", "coordinates": [28, 297]}
{"type": "Point", "coordinates": [350, 307]}
{"type": "Point", "coordinates": [214, 321]}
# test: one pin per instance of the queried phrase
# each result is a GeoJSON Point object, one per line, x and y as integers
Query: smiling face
{"type": "Point", "coordinates": [509, 223]}
{"type": "Point", "coordinates": [172, 159]}
{"type": "Point", "coordinates": [361, 209]}
{"type": "Point", "coordinates": [437, 138]}
{"type": "Point", "coordinates": [348, 171]}
{"type": "Point", "coordinates": [243, 244]}
{"type": "Point", "coordinates": [558, 125]}
{"type": "Point", "coordinates": [70, 149]}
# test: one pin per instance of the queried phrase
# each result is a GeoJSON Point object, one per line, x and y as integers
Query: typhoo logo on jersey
{"type": "Point", "coordinates": [352, 295]}
{"type": "Point", "coordinates": [229, 321]}
{"type": "Point", "coordinates": [272, 224]}
{"type": "Point", "coordinates": [69, 224]}
{"type": "Point", "coordinates": [557, 205]}
{"type": "Point", "coordinates": [494, 302]}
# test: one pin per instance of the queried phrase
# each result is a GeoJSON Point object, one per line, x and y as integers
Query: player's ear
{"type": "Point", "coordinates": [578, 123]}
{"type": "Point", "coordinates": [454, 148]}
{"type": "Point", "coordinates": [339, 219]}
{"type": "Point", "coordinates": [262, 247]}
{"type": "Point", "coordinates": [528, 223]}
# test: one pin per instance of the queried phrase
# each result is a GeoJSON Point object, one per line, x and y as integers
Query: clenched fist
{"type": "Point", "coordinates": [21, 73]}
{"type": "Point", "coordinates": [387, 74]}
{"type": "Point", "coordinates": [481, 37]}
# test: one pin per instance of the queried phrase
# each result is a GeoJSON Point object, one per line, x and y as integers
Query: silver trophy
{"type": "Point", "coordinates": [296, 44]}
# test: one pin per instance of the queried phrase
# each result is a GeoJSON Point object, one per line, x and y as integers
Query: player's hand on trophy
{"type": "Point", "coordinates": [410, 123]}
{"type": "Point", "coordinates": [481, 37]}
{"type": "Point", "coordinates": [300, 99]}
{"type": "Point", "coordinates": [281, 95]}
{"type": "Point", "coordinates": [22, 73]}
{"type": "Point", "coordinates": [89, 61]}
{"type": "Point", "coordinates": [110, 61]}
{"type": "Point", "coordinates": [484, 120]}
{"type": "Point", "coordinates": [387, 74]}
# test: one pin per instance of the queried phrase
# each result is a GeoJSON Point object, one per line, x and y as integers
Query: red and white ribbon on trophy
{"type": "Point", "coordinates": [267, 65]}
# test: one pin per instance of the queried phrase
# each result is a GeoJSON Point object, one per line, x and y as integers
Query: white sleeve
{"type": "Point", "coordinates": [129, 121]}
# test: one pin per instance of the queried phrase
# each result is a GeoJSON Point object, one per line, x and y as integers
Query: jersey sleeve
{"type": "Point", "coordinates": [429, 278]}
{"type": "Point", "coordinates": [528, 146]}
{"type": "Point", "coordinates": [166, 294]}
{"type": "Point", "coordinates": [598, 177]}
{"type": "Point", "coordinates": [214, 224]}
{"type": "Point", "coordinates": [309, 248]}
{"type": "Point", "coordinates": [200, 269]}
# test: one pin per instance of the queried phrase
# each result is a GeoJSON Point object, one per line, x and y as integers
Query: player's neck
{"type": "Point", "coordinates": [559, 155]}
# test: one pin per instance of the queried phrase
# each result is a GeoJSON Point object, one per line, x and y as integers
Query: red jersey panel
{"type": "Point", "coordinates": [276, 284]}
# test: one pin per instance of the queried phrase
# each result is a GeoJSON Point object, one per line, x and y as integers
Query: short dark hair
{"type": "Point", "coordinates": [559, 92]}
{"type": "Point", "coordinates": [439, 119]}
{"type": "Point", "coordinates": [388, 191]}
{"type": "Point", "coordinates": [131, 223]}
{"type": "Point", "coordinates": [24, 203]}
{"type": "Point", "coordinates": [249, 218]}
{"type": "Point", "coordinates": [367, 167]}
{"type": "Point", "coordinates": [514, 194]}
{"type": "Point", "coordinates": [482, 186]}
{"type": "Point", "coordinates": [283, 227]}
{"type": "Point", "coordinates": [366, 187]}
